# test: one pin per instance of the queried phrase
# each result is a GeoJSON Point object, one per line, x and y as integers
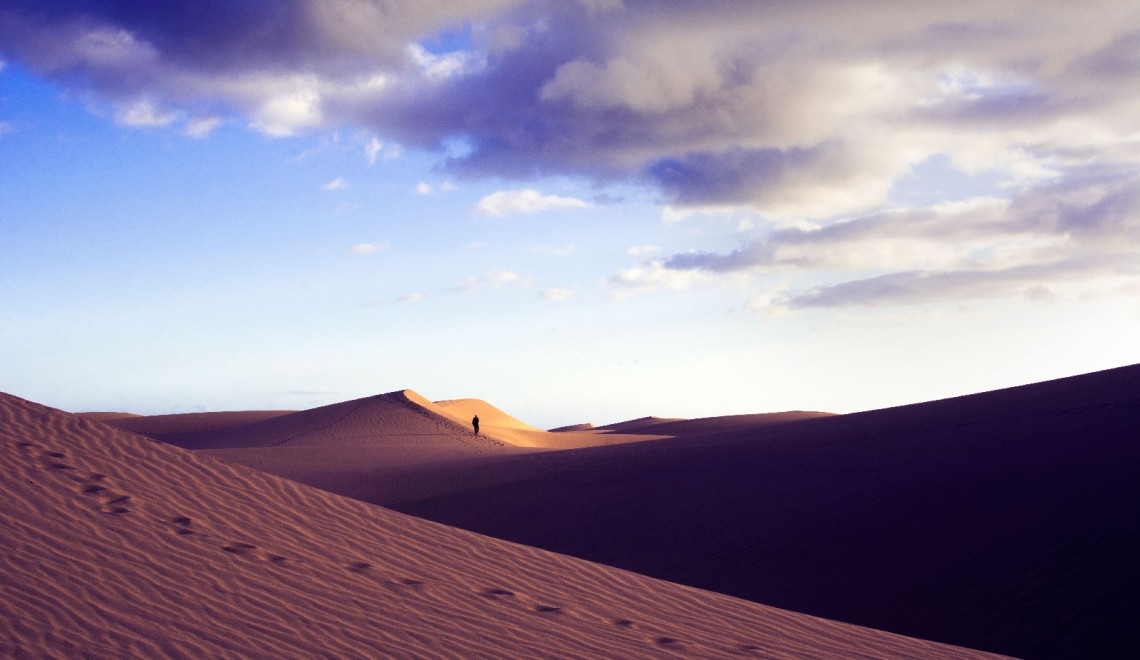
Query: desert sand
{"type": "Point", "coordinates": [115, 545]}
{"type": "Point", "coordinates": [1004, 521]}
{"type": "Point", "coordinates": [1007, 521]}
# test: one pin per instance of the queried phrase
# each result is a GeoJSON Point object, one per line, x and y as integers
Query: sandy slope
{"type": "Point", "coordinates": [114, 546]}
{"type": "Point", "coordinates": [1005, 521]}
{"type": "Point", "coordinates": [396, 419]}
{"type": "Point", "coordinates": [369, 448]}
{"type": "Point", "coordinates": [682, 427]}
{"type": "Point", "coordinates": [169, 428]}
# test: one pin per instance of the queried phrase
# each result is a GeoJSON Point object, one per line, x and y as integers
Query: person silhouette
{"type": "Point", "coordinates": [475, 423]}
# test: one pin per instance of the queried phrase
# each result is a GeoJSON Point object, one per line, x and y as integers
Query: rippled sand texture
{"type": "Point", "coordinates": [113, 545]}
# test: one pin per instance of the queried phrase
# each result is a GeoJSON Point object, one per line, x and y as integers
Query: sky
{"type": "Point", "coordinates": [579, 211]}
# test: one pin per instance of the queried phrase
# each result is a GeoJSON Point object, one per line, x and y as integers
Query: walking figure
{"type": "Point", "coordinates": [475, 423]}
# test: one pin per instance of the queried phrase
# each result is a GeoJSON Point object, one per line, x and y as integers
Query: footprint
{"type": "Point", "coordinates": [238, 548]}
{"type": "Point", "coordinates": [498, 592]}
{"type": "Point", "coordinates": [113, 503]}
{"type": "Point", "coordinates": [411, 582]}
{"type": "Point", "coordinates": [624, 623]}
{"type": "Point", "coordinates": [91, 489]}
{"type": "Point", "coordinates": [359, 566]}
{"type": "Point", "coordinates": [547, 609]}
{"type": "Point", "coordinates": [181, 525]}
{"type": "Point", "coordinates": [668, 642]}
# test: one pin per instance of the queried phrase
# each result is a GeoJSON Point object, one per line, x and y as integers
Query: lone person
{"type": "Point", "coordinates": [475, 423]}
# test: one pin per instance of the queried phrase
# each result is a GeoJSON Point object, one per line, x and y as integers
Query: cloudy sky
{"type": "Point", "coordinates": [581, 210]}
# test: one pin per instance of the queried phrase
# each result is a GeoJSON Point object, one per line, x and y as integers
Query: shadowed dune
{"type": "Point", "coordinates": [173, 428]}
{"type": "Point", "coordinates": [114, 545]}
{"type": "Point", "coordinates": [633, 425]}
{"type": "Point", "coordinates": [703, 425]}
{"type": "Point", "coordinates": [106, 416]}
{"type": "Point", "coordinates": [573, 427]}
{"type": "Point", "coordinates": [1005, 521]}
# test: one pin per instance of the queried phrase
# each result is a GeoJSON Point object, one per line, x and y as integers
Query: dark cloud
{"type": "Point", "coordinates": [740, 176]}
{"type": "Point", "coordinates": [1086, 225]}
{"type": "Point", "coordinates": [922, 287]}
{"type": "Point", "coordinates": [1088, 210]}
{"type": "Point", "coordinates": [790, 108]}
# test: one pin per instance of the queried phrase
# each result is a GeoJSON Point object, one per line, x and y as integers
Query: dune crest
{"type": "Point", "coordinates": [116, 546]}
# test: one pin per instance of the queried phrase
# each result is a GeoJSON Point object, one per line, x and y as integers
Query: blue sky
{"type": "Point", "coordinates": [582, 211]}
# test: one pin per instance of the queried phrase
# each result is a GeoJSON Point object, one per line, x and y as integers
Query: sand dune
{"type": "Point", "coordinates": [170, 428]}
{"type": "Point", "coordinates": [402, 419]}
{"type": "Point", "coordinates": [1005, 521]}
{"type": "Point", "coordinates": [395, 417]}
{"type": "Point", "coordinates": [370, 448]}
{"type": "Point", "coordinates": [117, 546]}
{"type": "Point", "coordinates": [633, 425]}
{"type": "Point", "coordinates": [462, 410]}
{"type": "Point", "coordinates": [586, 426]}
{"type": "Point", "coordinates": [106, 416]}
{"type": "Point", "coordinates": [675, 427]}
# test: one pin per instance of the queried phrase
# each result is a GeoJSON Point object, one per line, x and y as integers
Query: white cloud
{"type": "Point", "coordinates": [336, 184]}
{"type": "Point", "coordinates": [288, 105]}
{"type": "Point", "coordinates": [654, 276]}
{"type": "Point", "coordinates": [642, 250]}
{"type": "Point", "coordinates": [440, 67]}
{"type": "Point", "coordinates": [426, 189]}
{"type": "Point", "coordinates": [372, 150]}
{"type": "Point", "coordinates": [142, 113]}
{"type": "Point", "coordinates": [556, 294]}
{"type": "Point", "coordinates": [410, 298]}
{"type": "Point", "coordinates": [508, 202]}
{"type": "Point", "coordinates": [492, 279]}
{"type": "Point", "coordinates": [201, 127]}
{"type": "Point", "coordinates": [368, 248]}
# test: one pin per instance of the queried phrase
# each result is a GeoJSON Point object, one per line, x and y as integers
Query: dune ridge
{"type": "Point", "coordinates": [169, 428]}
{"type": "Point", "coordinates": [115, 545]}
{"type": "Point", "coordinates": [401, 416]}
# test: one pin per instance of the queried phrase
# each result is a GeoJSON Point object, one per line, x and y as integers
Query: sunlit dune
{"type": "Point", "coordinates": [115, 545]}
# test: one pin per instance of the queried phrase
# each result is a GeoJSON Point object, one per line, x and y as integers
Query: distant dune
{"type": "Point", "coordinates": [106, 416]}
{"type": "Point", "coordinates": [633, 425]}
{"type": "Point", "coordinates": [171, 428]}
{"type": "Point", "coordinates": [573, 427]}
{"type": "Point", "coordinates": [116, 546]}
{"type": "Point", "coordinates": [1006, 521]}
{"type": "Point", "coordinates": [684, 427]}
